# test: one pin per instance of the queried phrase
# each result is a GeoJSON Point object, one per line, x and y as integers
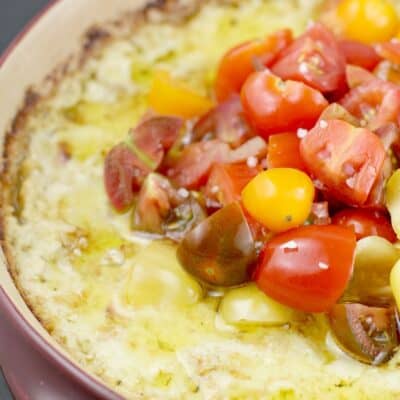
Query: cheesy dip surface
{"type": "Point", "coordinates": [120, 303]}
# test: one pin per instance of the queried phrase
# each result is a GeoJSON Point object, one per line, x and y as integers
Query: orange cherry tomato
{"type": "Point", "coordinates": [365, 223]}
{"type": "Point", "coordinates": [273, 105]}
{"type": "Point", "coordinates": [346, 159]}
{"type": "Point", "coordinates": [307, 268]}
{"type": "Point", "coordinates": [284, 151]}
{"type": "Point", "coordinates": [238, 63]}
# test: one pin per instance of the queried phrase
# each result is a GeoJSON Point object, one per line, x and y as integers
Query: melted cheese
{"type": "Point", "coordinates": [121, 305]}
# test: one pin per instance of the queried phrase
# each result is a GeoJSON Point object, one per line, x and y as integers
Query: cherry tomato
{"type": "Point", "coordinates": [365, 223]}
{"type": "Point", "coordinates": [238, 63]}
{"type": "Point", "coordinates": [227, 181]}
{"type": "Point", "coordinates": [315, 59]}
{"type": "Point", "coordinates": [346, 159]}
{"type": "Point", "coordinates": [279, 198]}
{"type": "Point", "coordinates": [273, 106]}
{"type": "Point", "coordinates": [359, 54]}
{"type": "Point", "coordinates": [389, 51]}
{"type": "Point", "coordinates": [124, 172]}
{"type": "Point", "coordinates": [336, 111]}
{"type": "Point", "coordinates": [356, 76]}
{"type": "Point", "coordinates": [307, 268]}
{"type": "Point", "coordinates": [387, 71]}
{"type": "Point", "coordinates": [375, 103]}
{"type": "Point", "coordinates": [284, 151]}
{"type": "Point", "coordinates": [193, 167]}
{"type": "Point", "coordinates": [225, 122]}
{"type": "Point", "coordinates": [367, 21]}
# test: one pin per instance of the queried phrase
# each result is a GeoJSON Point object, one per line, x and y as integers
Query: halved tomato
{"type": "Point", "coordinates": [315, 58]}
{"type": "Point", "coordinates": [274, 106]}
{"type": "Point", "coordinates": [238, 63]}
{"type": "Point", "coordinates": [360, 54]}
{"type": "Point", "coordinates": [307, 268]}
{"type": "Point", "coordinates": [284, 151]}
{"type": "Point", "coordinates": [346, 159]}
{"type": "Point", "coordinates": [227, 181]}
{"type": "Point", "coordinates": [194, 165]}
{"type": "Point", "coordinates": [365, 223]}
{"type": "Point", "coordinates": [124, 172]}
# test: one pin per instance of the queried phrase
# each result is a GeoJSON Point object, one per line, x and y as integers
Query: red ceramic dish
{"type": "Point", "coordinates": [34, 366]}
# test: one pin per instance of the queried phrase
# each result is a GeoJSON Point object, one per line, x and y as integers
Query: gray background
{"type": "Point", "coordinates": [14, 15]}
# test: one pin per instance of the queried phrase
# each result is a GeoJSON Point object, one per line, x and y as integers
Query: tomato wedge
{"type": "Point", "coordinates": [194, 165]}
{"type": "Point", "coordinates": [346, 159]}
{"type": "Point", "coordinates": [356, 76]}
{"type": "Point", "coordinates": [389, 51]}
{"type": "Point", "coordinates": [238, 63]}
{"type": "Point", "coordinates": [307, 268]}
{"type": "Point", "coordinates": [227, 181]}
{"type": "Point", "coordinates": [365, 223]}
{"type": "Point", "coordinates": [360, 54]}
{"type": "Point", "coordinates": [284, 151]}
{"type": "Point", "coordinates": [274, 106]}
{"type": "Point", "coordinates": [124, 172]}
{"type": "Point", "coordinates": [315, 59]}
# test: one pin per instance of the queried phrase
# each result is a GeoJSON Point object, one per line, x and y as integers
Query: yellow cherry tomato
{"type": "Point", "coordinates": [367, 21]}
{"type": "Point", "coordinates": [279, 198]}
{"type": "Point", "coordinates": [171, 97]}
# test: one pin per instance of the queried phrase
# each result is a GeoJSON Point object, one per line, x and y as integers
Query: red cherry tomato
{"type": "Point", "coordinates": [365, 223]}
{"type": "Point", "coordinates": [194, 165]}
{"type": "Point", "coordinates": [307, 268]}
{"type": "Point", "coordinates": [360, 54]}
{"type": "Point", "coordinates": [124, 172]}
{"type": "Point", "coordinates": [227, 181]}
{"type": "Point", "coordinates": [347, 160]}
{"type": "Point", "coordinates": [315, 59]}
{"type": "Point", "coordinates": [238, 63]}
{"type": "Point", "coordinates": [284, 151]}
{"type": "Point", "coordinates": [273, 106]}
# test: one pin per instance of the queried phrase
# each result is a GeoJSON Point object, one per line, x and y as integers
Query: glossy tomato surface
{"type": "Point", "coordinates": [307, 268]}
{"type": "Point", "coordinates": [366, 223]}
{"type": "Point", "coordinates": [274, 106]}
{"type": "Point", "coordinates": [346, 159]}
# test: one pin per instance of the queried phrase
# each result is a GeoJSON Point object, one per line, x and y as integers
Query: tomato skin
{"type": "Point", "coordinates": [124, 172]}
{"type": "Point", "coordinates": [279, 198]}
{"type": "Point", "coordinates": [237, 64]}
{"type": "Point", "coordinates": [194, 165]}
{"type": "Point", "coordinates": [227, 181]}
{"type": "Point", "coordinates": [359, 54]}
{"type": "Point", "coordinates": [347, 160]}
{"type": "Point", "coordinates": [365, 223]}
{"type": "Point", "coordinates": [274, 106]}
{"type": "Point", "coordinates": [284, 151]}
{"type": "Point", "coordinates": [307, 268]}
{"type": "Point", "coordinates": [315, 59]}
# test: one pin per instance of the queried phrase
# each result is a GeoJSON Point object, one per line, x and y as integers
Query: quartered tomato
{"type": "Point", "coordinates": [284, 151]}
{"type": "Point", "coordinates": [367, 21]}
{"type": "Point", "coordinates": [346, 159]}
{"type": "Point", "coordinates": [194, 165]}
{"type": "Point", "coordinates": [124, 172]}
{"type": "Point", "coordinates": [238, 63]}
{"type": "Point", "coordinates": [356, 76]}
{"type": "Point", "coordinates": [375, 103]}
{"type": "Point", "coordinates": [227, 181]}
{"type": "Point", "coordinates": [387, 71]}
{"type": "Point", "coordinates": [315, 58]}
{"type": "Point", "coordinates": [273, 105]}
{"type": "Point", "coordinates": [307, 268]}
{"type": "Point", "coordinates": [389, 51]}
{"type": "Point", "coordinates": [225, 122]}
{"type": "Point", "coordinates": [360, 54]}
{"type": "Point", "coordinates": [365, 223]}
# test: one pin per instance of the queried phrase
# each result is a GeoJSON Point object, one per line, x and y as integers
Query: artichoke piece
{"type": "Point", "coordinates": [249, 306]}
{"type": "Point", "coordinates": [370, 283]}
{"type": "Point", "coordinates": [368, 334]}
{"type": "Point", "coordinates": [220, 250]}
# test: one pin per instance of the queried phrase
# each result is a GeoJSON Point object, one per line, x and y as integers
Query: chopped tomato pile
{"type": "Point", "coordinates": [282, 178]}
